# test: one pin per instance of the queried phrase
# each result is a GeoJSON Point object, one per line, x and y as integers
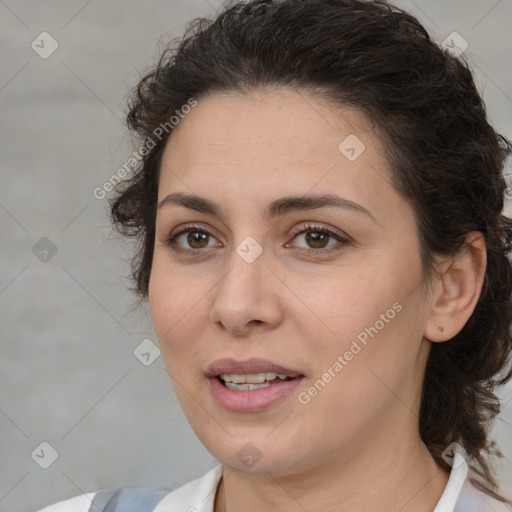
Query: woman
{"type": "Point", "coordinates": [322, 246]}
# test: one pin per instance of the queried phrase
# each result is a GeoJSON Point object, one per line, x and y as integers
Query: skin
{"type": "Point", "coordinates": [356, 444]}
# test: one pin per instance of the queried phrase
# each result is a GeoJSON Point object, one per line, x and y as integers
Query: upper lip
{"type": "Point", "coordinates": [231, 366]}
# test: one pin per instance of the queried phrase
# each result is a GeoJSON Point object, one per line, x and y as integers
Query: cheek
{"type": "Point", "coordinates": [345, 304]}
{"type": "Point", "coordinates": [371, 319]}
{"type": "Point", "coordinates": [175, 304]}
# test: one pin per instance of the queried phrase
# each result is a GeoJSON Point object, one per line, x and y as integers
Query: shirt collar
{"type": "Point", "coordinates": [195, 496]}
{"type": "Point", "coordinates": [454, 485]}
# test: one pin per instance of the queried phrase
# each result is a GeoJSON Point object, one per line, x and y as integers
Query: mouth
{"type": "Point", "coordinates": [254, 372]}
{"type": "Point", "coordinates": [252, 384]}
{"type": "Point", "coordinates": [251, 381]}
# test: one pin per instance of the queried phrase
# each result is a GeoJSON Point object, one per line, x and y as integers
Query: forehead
{"type": "Point", "coordinates": [277, 121]}
{"type": "Point", "coordinates": [270, 143]}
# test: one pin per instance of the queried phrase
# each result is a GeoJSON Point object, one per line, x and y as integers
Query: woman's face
{"type": "Point", "coordinates": [293, 255]}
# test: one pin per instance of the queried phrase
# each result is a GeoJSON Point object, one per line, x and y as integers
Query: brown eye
{"type": "Point", "coordinates": [317, 239]}
{"type": "Point", "coordinates": [197, 237]}
{"type": "Point", "coordinates": [191, 239]}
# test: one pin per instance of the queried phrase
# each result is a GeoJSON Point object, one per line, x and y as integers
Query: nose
{"type": "Point", "coordinates": [247, 296]}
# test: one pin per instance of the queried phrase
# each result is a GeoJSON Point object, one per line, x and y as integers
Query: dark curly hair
{"type": "Point", "coordinates": [447, 161]}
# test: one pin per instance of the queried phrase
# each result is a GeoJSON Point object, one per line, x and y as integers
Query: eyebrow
{"type": "Point", "coordinates": [276, 208]}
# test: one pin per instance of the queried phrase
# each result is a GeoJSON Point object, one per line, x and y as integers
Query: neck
{"type": "Point", "coordinates": [402, 477]}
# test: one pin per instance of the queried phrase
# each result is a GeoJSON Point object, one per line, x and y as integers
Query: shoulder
{"type": "Point", "coordinates": [123, 499]}
{"type": "Point", "coordinates": [460, 495]}
{"type": "Point", "coordinates": [473, 499]}
{"type": "Point", "coordinates": [196, 495]}
{"type": "Point", "coordinates": [80, 503]}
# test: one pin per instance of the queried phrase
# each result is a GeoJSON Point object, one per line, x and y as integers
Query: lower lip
{"type": "Point", "coordinates": [250, 401]}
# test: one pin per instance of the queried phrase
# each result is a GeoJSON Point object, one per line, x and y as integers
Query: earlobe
{"type": "Point", "coordinates": [457, 289]}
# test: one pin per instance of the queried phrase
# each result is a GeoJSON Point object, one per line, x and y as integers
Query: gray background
{"type": "Point", "coordinates": [69, 373]}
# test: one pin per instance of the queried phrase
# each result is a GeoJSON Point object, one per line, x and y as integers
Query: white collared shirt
{"type": "Point", "coordinates": [199, 495]}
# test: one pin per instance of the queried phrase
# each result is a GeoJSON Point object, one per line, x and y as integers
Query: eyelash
{"type": "Point", "coordinates": [315, 228]}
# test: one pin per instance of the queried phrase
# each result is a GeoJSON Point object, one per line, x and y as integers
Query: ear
{"type": "Point", "coordinates": [456, 291]}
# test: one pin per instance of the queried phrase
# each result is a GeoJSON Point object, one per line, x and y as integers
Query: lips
{"type": "Point", "coordinates": [251, 397]}
{"type": "Point", "coordinates": [244, 398]}
{"type": "Point", "coordinates": [249, 366]}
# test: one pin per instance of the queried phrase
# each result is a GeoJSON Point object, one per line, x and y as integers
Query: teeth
{"type": "Point", "coordinates": [245, 387]}
{"type": "Point", "coordinates": [251, 378]}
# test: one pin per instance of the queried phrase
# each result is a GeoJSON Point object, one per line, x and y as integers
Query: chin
{"type": "Point", "coordinates": [254, 451]}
